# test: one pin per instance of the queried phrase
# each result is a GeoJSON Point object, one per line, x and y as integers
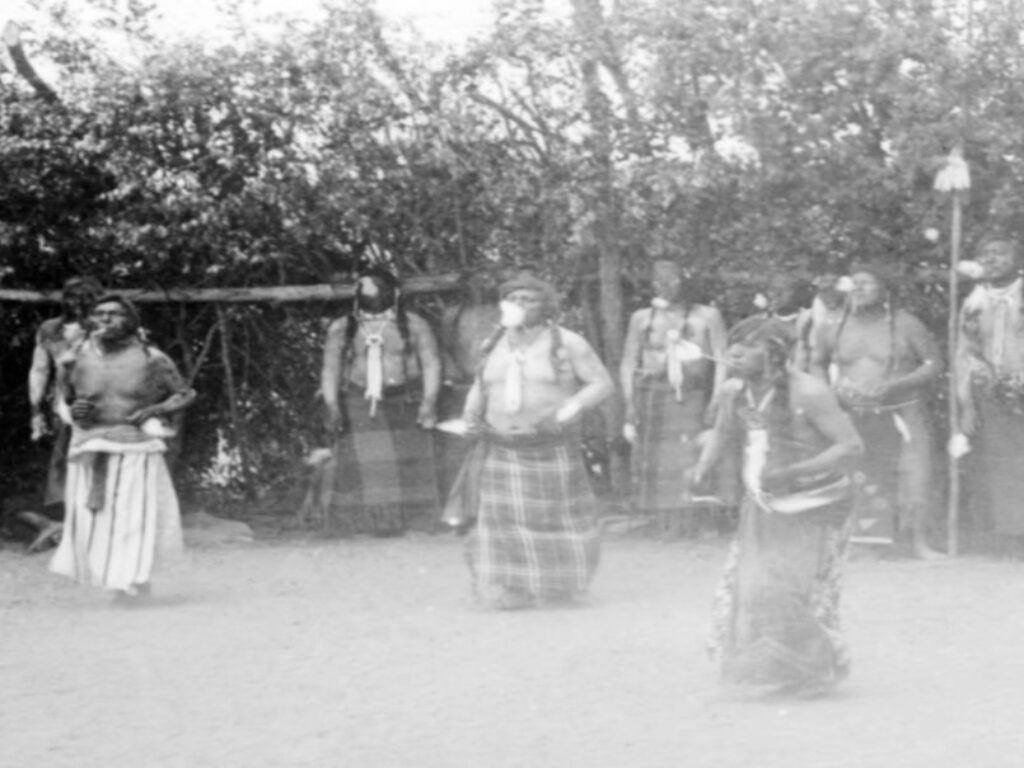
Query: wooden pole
{"type": "Point", "coordinates": [953, 500]}
{"type": "Point", "coordinates": [249, 294]}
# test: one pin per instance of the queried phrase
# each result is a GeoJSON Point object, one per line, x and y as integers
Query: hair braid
{"type": "Point", "coordinates": [402, 321]}
{"type": "Point", "coordinates": [557, 344]}
{"type": "Point", "coordinates": [486, 347]}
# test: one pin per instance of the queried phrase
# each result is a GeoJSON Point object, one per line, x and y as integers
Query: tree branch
{"type": "Point", "coordinates": [12, 39]}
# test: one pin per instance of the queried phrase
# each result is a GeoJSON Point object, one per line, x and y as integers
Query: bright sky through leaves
{"type": "Point", "coordinates": [449, 21]}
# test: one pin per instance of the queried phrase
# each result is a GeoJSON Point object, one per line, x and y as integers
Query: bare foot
{"type": "Point", "coordinates": [505, 599]}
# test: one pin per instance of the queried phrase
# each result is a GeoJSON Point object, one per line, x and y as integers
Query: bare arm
{"type": "Point", "coordinates": [964, 362]}
{"type": "Point", "coordinates": [802, 348]}
{"type": "Point", "coordinates": [718, 339]}
{"type": "Point", "coordinates": [473, 408]}
{"type": "Point", "coordinates": [820, 353]}
{"type": "Point", "coordinates": [38, 381]}
{"type": "Point", "coordinates": [627, 368]}
{"type": "Point", "coordinates": [448, 338]}
{"type": "Point", "coordinates": [38, 378]}
{"type": "Point", "coordinates": [430, 365]}
{"type": "Point", "coordinates": [717, 438]}
{"type": "Point", "coordinates": [597, 382]}
{"type": "Point", "coordinates": [167, 382]}
{"type": "Point", "coordinates": [63, 391]}
{"type": "Point", "coordinates": [332, 370]}
{"type": "Point", "coordinates": [926, 350]}
{"type": "Point", "coordinates": [823, 411]}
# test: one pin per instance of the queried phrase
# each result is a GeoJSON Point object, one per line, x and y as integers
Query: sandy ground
{"type": "Point", "coordinates": [370, 653]}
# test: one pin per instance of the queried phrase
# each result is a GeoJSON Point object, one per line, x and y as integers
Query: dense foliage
{"type": "Point", "coordinates": [738, 137]}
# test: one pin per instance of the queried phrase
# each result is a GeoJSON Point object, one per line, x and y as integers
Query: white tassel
{"type": "Point", "coordinates": [374, 371]}
{"type": "Point", "coordinates": [676, 375]}
{"type": "Point", "coordinates": [902, 427]}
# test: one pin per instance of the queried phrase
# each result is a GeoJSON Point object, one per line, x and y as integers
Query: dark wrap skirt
{"type": "Point", "coordinates": [776, 613]}
{"type": "Point", "coordinates": [666, 446]}
{"type": "Point", "coordinates": [382, 470]}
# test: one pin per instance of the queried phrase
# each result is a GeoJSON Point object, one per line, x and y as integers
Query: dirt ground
{"type": "Point", "coordinates": [369, 653]}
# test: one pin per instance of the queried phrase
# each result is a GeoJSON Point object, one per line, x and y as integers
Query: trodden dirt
{"type": "Point", "coordinates": [370, 653]}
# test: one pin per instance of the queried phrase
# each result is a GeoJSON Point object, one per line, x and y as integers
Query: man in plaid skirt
{"type": "Point", "coordinates": [536, 538]}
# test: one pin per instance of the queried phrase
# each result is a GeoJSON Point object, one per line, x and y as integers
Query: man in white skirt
{"type": "Point", "coordinates": [120, 395]}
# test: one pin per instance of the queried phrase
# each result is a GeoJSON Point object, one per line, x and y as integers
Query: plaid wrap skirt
{"type": "Point", "coordinates": [536, 529]}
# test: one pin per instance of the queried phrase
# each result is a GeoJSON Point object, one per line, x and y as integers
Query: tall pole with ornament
{"type": "Point", "coordinates": [955, 180]}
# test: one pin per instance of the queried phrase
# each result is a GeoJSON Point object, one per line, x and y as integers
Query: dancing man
{"type": "Point", "coordinates": [776, 613]}
{"type": "Point", "coordinates": [536, 536]}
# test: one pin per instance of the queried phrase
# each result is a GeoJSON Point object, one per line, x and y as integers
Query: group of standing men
{"type": "Point", "coordinates": [816, 414]}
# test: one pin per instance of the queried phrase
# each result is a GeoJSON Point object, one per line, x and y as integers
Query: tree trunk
{"type": "Point", "coordinates": [605, 223]}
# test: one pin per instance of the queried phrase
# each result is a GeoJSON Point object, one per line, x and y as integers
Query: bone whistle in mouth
{"type": "Point", "coordinates": [512, 315]}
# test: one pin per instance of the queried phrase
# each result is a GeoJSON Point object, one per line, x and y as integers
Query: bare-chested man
{"type": "Point", "coordinates": [668, 378]}
{"type": "Point", "coordinates": [776, 612]}
{"type": "Point", "coordinates": [119, 394]}
{"type": "Point", "coordinates": [380, 381]}
{"type": "Point", "coordinates": [884, 359]}
{"type": "Point", "coordinates": [536, 537]}
{"type": "Point", "coordinates": [55, 337]}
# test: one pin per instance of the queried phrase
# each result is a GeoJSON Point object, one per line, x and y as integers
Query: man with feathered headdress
{"type": "Point", "coordinates": [118, 393]}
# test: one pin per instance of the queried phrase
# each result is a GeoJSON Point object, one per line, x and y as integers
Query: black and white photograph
{"type": "Point", "coordinates": [512, 383]}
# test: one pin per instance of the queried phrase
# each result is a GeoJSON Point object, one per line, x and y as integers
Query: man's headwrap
{"type": "Point", "coordinates": [131, 311]}
{"type": "Point", "coordinates": [661, 266]}
{"type": "Point", "coordinates": [528, 282]}
{"type": "Point", "coordinates": [887, 274]}
{"type": "Point", "coordinates": [78, 296]}
{"type": "Point", "coordinates": [1000, 237]}
{"type": "Point", "coordinates": [778, 337]}
{"type": "Point", "coordinates": [80, 285]}
{"type": "Point", "coordinates": [798, 290]}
